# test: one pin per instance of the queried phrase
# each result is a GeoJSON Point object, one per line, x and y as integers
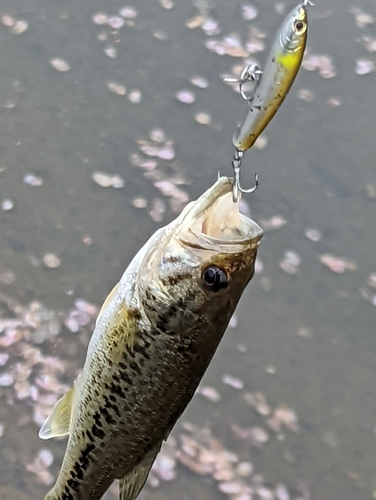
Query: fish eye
{"type": "Point", "coordinates": [214, 279]}
{"type": "Point", "coordinates": [300, 27]}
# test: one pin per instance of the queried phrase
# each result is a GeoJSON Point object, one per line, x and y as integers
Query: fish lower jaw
{"type": "Point", "coordinates": [223, 220]}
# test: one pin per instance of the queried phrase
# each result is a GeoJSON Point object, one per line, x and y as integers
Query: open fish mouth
{"type": "Point", "coordinates": [214, 220]}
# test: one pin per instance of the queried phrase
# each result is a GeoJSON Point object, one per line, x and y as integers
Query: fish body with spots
{"type": "Point", "coordinates": [154, 338]}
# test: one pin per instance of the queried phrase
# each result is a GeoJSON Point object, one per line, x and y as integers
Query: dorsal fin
{"type": "Point", "coordinates": [58, 423]}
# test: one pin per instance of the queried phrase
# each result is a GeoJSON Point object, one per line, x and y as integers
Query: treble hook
{"type": "Point", "coordinates": [250, 73]}
{"type": "Point", "coordinates": [308, 2]}
{"type": "Point", "coordinates": [236, 187]}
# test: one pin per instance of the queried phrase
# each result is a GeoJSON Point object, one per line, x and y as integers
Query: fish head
{"type": "Point", "coordinates": [199, 265]}
{"type": "Point", "coordinates": [293, 36]}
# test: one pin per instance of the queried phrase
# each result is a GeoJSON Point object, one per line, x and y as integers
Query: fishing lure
{"type": "Point", "coordinates": [272, 85]}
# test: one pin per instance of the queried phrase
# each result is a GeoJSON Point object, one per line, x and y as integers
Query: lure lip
{"type": "Point", "coordinates": [190, 232]}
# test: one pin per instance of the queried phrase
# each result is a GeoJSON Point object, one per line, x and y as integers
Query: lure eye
{"type": "Point", "coordinates": [300, 27]}
{"type": "Point", "coordinates": [214, 279]}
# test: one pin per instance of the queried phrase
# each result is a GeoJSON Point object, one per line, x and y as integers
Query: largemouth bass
{"type": "Point", "coordinates": [154, 338]}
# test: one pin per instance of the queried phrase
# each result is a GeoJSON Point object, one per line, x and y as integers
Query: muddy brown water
{"type": "Point", "coordinates": [313, 171]}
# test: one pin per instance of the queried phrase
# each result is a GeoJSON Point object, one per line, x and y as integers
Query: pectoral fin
{"type": "Point", "coordinates": [109, 297]}
{"type": "Point", "coordinates": [131, 485]}
{"type": "Point", "coordinates": [58, 423]}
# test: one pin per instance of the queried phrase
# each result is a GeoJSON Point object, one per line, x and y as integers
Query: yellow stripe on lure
{"type": "Point", "coordinates": [281, 68]}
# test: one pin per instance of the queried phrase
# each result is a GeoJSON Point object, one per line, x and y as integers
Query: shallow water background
{"type": "Point", "coordinates": [304, 339]}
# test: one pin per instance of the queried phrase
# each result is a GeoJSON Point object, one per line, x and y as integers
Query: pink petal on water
{"type": "Point", "coordinates": [364, 66]}
{"type": "Point", "coordinates": [7, 20]}
{"type": "Point", "coordinates": [167, 188]}
{"type": "Point", "coordinates": [149, 164]}
{"type": "Point", "coordinates": [216, 46]}
{"type": "Point", "coordinates": [203, 118]}
{"type": "Point", "coordinates": [185, 96]}
{"type": "Point", "coordinates": [46, 457]}
{"type": "Point", "coordinates": [100, 18]}
{"type": "Point", "coordinates": [249, 12]}
{"type": "Point", "coordinates": [158, 209]}
{"type": "Point", "coordinates": [166, 154]}
{"type": "Point", "coordinates": [362, 18]}
{"type": "Point", "coordinates": [230, 488]}
{"type": "Point", "coordinates": [337, 264]}
{"type": "Point", "coordinates": [166, 4]}
{"type": "Point", "coordinates": [135, 96]}
{"type": "Point", "coordinates": [209, 393]}
{"type": "Point", "coordinates": [211, 27]}
{"type": "Point", "coordinates": [19, 27]}
{"type": "Point", "coordinates": [199, 81]}
{"type": "Point", "coordinates": [128, 12]}
{"type": "Point", "coordinates": [290, 262]}
{"type": "Point", "coordinates": [51, 261]}
{"type": "Point", "coordinates": [140, 202]}
{"type": "Point", "coordinates": [116, 88]}
{"type": "Point", "coordinates": [306, 95]}
{"type": "Point", "coordinates": [32, 180]}
{"type": "Point", "coordinates": [7, 277]}
{"type": "Point", "coordinates": [3, 358]}
{"type": "Point", "coordinates": [7, 204]}
{"type": "Point", "coordinates": [312, 234]}
{"type": "Point", "coordinates": [275, 222]}
{"type": "Point", "coordinates": [59, 64]}
{"type": "Point", "coordinates": [115, 22]}
{"type": "Point", "coordinates": [233, 382]}
{"type": "Point", "coordinates": [158, 135]}
{"type": "Point", "coordinates": [110, 52]}
{"type": "Point", "coordinates": [6, 379]}
{"type": "Point", "coordinates": [87, 307]}
{"type": "Point", "coordinates": [371, 280]}
{"type": "Point", "coordinates": [149, 150]}
{"type": "Point", "coordinates": [281, 492]}
{"type": "Point", "coordinates": [370, 44]}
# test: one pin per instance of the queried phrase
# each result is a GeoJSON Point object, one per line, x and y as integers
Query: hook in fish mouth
{"type": "Point", "coordinates": [214, 221]}
{"type": "Point", "coordinates": [237, 189]}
